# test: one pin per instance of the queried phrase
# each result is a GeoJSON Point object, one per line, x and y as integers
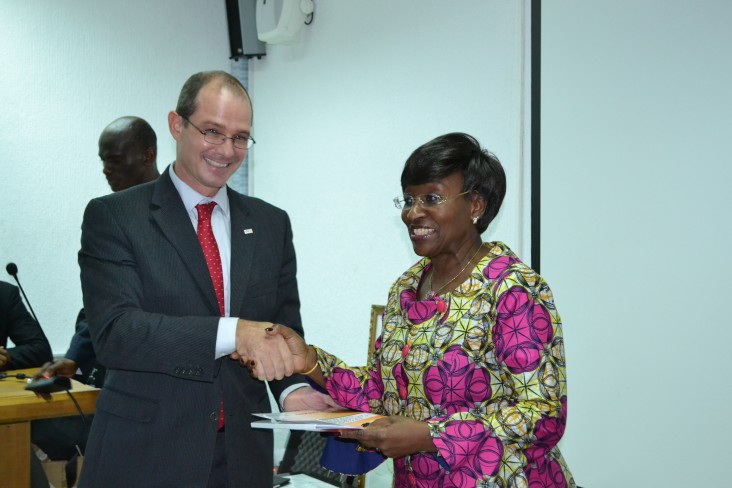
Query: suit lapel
{"type": "Point", "coordinates": [168, 212]}
{"type": "Point", "coordinates": [243, 240]}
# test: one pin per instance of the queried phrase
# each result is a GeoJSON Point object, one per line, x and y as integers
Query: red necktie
{"type": "Point", "coordinates": [211, 250]}
{"type": "Point", "coordinates": [213, 261]}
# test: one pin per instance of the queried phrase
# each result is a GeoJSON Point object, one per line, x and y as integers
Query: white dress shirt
{"type": "Point", "coordinates": [221, 225]}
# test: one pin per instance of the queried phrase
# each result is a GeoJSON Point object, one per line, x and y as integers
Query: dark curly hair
{"type": "Point", "coordinates": [444, 155]}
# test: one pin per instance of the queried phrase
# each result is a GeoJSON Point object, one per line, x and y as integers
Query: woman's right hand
{"type": "Point", "coordinates": [304, 356]}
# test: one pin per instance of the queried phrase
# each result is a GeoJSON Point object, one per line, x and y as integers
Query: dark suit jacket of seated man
{"type": "Point", "coordinates": [31, 345]}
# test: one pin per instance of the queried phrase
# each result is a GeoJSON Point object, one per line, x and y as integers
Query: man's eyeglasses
{"type": "Point", "coordinates": [430, 200]}
{"type": "Point", "coordinates": [213, 137]}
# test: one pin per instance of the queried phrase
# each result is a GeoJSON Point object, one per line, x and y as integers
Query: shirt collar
{"type": "Point", "coordinates": [191, 197]}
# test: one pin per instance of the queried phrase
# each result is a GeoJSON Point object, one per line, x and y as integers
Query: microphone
{"type": "Point", "coordinates": [41, 385]}
{"type": "Point", "coordinates": [12, 270]}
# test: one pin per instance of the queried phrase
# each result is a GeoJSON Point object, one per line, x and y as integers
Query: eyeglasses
{"type": "Point", "coordinates": [430, 200]}
{"type": "Point", "coordinates": [213, 137]}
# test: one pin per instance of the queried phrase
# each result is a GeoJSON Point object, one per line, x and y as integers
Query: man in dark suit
{"type": "Point", "coordinates": [31, 345]}
{"type": "Point", "coordinates": [173, 295]}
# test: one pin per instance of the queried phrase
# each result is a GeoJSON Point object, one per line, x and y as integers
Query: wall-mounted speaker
{"type": "Point", "coordinates": [280, 21]}
{"type": "Point", "coordinates": [242, 21]}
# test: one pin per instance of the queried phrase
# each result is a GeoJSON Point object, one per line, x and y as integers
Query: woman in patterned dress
{"type": "Point", "coordinates": [469, 367]}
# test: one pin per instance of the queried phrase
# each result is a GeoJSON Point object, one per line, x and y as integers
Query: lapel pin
{"type": "Point", "coordinates": [248, 231]}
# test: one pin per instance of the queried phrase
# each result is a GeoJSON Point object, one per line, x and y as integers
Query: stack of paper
{"type": "Point", "coordinates": [314, 420]}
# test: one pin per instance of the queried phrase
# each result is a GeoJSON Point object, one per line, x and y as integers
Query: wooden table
{"type": "Point", "coordinates": [18, 407]}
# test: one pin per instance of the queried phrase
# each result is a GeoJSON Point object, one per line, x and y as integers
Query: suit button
{"type": "Point", "coordinates": [177, 370]}
{"type": "Point", "coordinates": [214, 417]}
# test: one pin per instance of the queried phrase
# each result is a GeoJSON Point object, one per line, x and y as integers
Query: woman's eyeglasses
{"type": "Point", "coordinates": [429, 200]}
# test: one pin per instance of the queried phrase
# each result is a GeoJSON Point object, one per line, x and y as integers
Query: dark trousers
{"type": "Point", "coordinates": [59, 437]}
{"type": "Point", "coordinates": [219, 476]}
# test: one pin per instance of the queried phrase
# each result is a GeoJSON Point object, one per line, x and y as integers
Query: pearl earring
{"type": "Point", "coordinates": [475, 220]}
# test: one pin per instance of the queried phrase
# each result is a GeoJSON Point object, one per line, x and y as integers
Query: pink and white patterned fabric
{"type": "Point", "coordinates": [483, 365]}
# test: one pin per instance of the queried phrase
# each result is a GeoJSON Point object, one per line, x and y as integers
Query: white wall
{"type": "Point", "coordinates": [636, 123]}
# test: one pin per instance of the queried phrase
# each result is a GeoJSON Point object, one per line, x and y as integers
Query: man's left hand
{"type": "Point", "coordinates": [307, 398]}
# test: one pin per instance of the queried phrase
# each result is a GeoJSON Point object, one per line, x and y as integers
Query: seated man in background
{"type": "Point", "coordinates": [31, 345]}
{"type": "Point", "coordinates": [128, 150]}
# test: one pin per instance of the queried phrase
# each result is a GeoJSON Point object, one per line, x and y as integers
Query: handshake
{"type": "Point", "coordinates": [272, 351]}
